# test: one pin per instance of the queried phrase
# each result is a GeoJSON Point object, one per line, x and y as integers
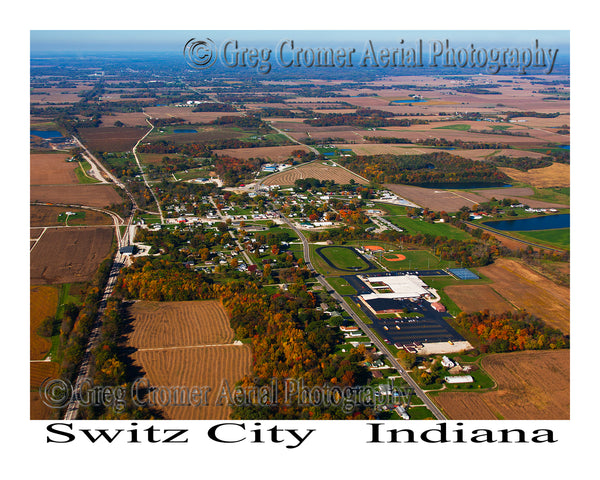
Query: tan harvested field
{"type": "Point", "coordinates": [313, 170]}
{"type": "Point", "coordinates": [434, 199]}
{"type": "Point", "coordinates": [51, 169]}
{"type": "Point", "coordinates": [47, 216]}
{"type": "Point", "coordinates": [452, 200]}
{"type": "Point", "coordinates": [556, 175]}
{"type": "Point", "coordinates": [43, 301]}
{"type": "Point", "coordinates": [200, 367]}
{"type": "Point", "coordinates": [172, 324]}
{"type": "Point", "coordinates": [273, 154]}
{"type": "Point", "coordinates": [475, 298]}
{"type": "Point", "coordinates": [72, 254]}
{"type": "Point", "coordinates": [393, 148]}
{"type": "Point", "coordinates": [188, 344]}
{"type": "Point", "coordinates": [54, 95]}
{"type": "Point", "coordinates": [532, 385]}
{"type": "Point", "coordinates": [94, 195]}
{"type": "Point", "coordinates": [528, 290]}
{"type": "Point", "coordinates": [38, 372]}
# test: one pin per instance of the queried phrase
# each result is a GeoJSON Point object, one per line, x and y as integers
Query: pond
{"type": "Point", "coordinates": [410, 101]}
{"type": "Point", "coordinates": [184, 130]}
{"type": "Point", "coordinates": [546, 222]}
{"type": "Point", "coordinates": [46, 133]}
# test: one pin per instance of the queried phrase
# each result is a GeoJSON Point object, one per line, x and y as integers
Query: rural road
{"type": "Point", "coordinates": [378, 343]}
{"type": "Point", "coordinates": [134, 151]}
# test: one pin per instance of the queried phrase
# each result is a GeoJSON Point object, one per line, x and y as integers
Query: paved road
{"type": "Point", "coordinates": [378, 343]}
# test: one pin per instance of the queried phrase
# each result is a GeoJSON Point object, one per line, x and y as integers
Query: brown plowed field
{"type": "Point", "coordinates": [47, 216]}
{"type": "Point", "coordinates": [51, 169]}
{"type": "Point", "coordinates": [172, 324]}
{"type": "Point", "coordinates": [65, 255]}
{"type": "Point", "coordinates": [556, 175]}
{"type": "Point", "coordinates": [196, 367]}
{"type": "Point", "coordinates": [475, 298]}
{"type": "Point", "coordinates": [188, 344]}
{"type": "Point", "coordinates": [111, 139]}
{"type": "Point", "coordinates": [43, 301]}
{"type": "Point", "coordinates": [92, 195]}
{"type": "Point", "coordinates": [527, 289]}
{"type": "Point", "coordinates": [313, 170]}
{"type": "Point", "coordinates": [532, 385]}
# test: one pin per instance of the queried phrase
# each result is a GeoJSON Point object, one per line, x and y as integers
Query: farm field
{"type": "Point", "coordinates": [168, 324]}
{"type": "Point", "coordinates": [48, 216]}
{"type": "Point", "coordinates": [474, 298]}
{"type": "Point", "coordinates": [527, 289]}
{"type": "Point", "coordinates": [111, 139]}
{"type": "Point", "coordinates": [531, 385]}
{"type": "Point", "coordinates": [52, 169]}
{"type": "Point", "coordinates": [72, 254]}
{"type": "Point", "coordinates": [98, 195]}
{"type": "Point", "coordinates": [38, 371]}
{"type": "Point", "coordinates": [556, 175]}
{"type": "Point", "coordinates": [196, 367]}
{"type": "Point", "coordinates": [43, 301]}
{"type": "Point", "coordinates": [452, 200]}
{"type": "Point", "coordinates": [316, 170]}
{"type": "Point", "coordinates": [187, 114]}
{"type": "Point", "coordinates": [187, 344]}
{"type": "Point", "coordinates": [272, 154]}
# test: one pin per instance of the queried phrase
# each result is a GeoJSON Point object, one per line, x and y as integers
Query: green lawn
{"type": "Point", "coordinates": [343, 258]}
{"type": "Point", "coordinates": [560, 237]}
{"type": "Point", "coordinates": [82, 177]}
{"type": "Point", "coordinates": [341, 286]}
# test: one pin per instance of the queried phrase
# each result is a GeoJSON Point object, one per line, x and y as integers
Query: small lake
{"type": "Point", "coordinates": [547, 222]}
{"type": "Point", "coordinates": [184, 130]}
{"type": "Point", "coordinates": [46, 133]}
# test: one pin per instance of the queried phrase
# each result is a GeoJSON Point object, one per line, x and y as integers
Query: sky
{"type": "Point", "coordinates": [83, 41]}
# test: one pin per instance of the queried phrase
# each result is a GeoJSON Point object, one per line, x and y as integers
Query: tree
{"type": "Point", "coordinates": [406, 359]}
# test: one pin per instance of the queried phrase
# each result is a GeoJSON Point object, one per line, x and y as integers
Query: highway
{"type": "Point", "coordinates": [372, 336]}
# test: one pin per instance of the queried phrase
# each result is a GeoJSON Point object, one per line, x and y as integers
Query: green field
{"type": "Point", "coordinates": [560, 237]}
{"type": "Point", "coordinates": [460, 127]}
{"type": "Point", "coordinates": [397, 215]}
{"type": "Point", "coordinates": [341, 286]}
{"type": "Point", "coordinates": [344, 258]}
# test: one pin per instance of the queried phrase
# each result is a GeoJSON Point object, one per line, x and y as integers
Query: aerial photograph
{"type": "Point", "coordinates": [299, 225]}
